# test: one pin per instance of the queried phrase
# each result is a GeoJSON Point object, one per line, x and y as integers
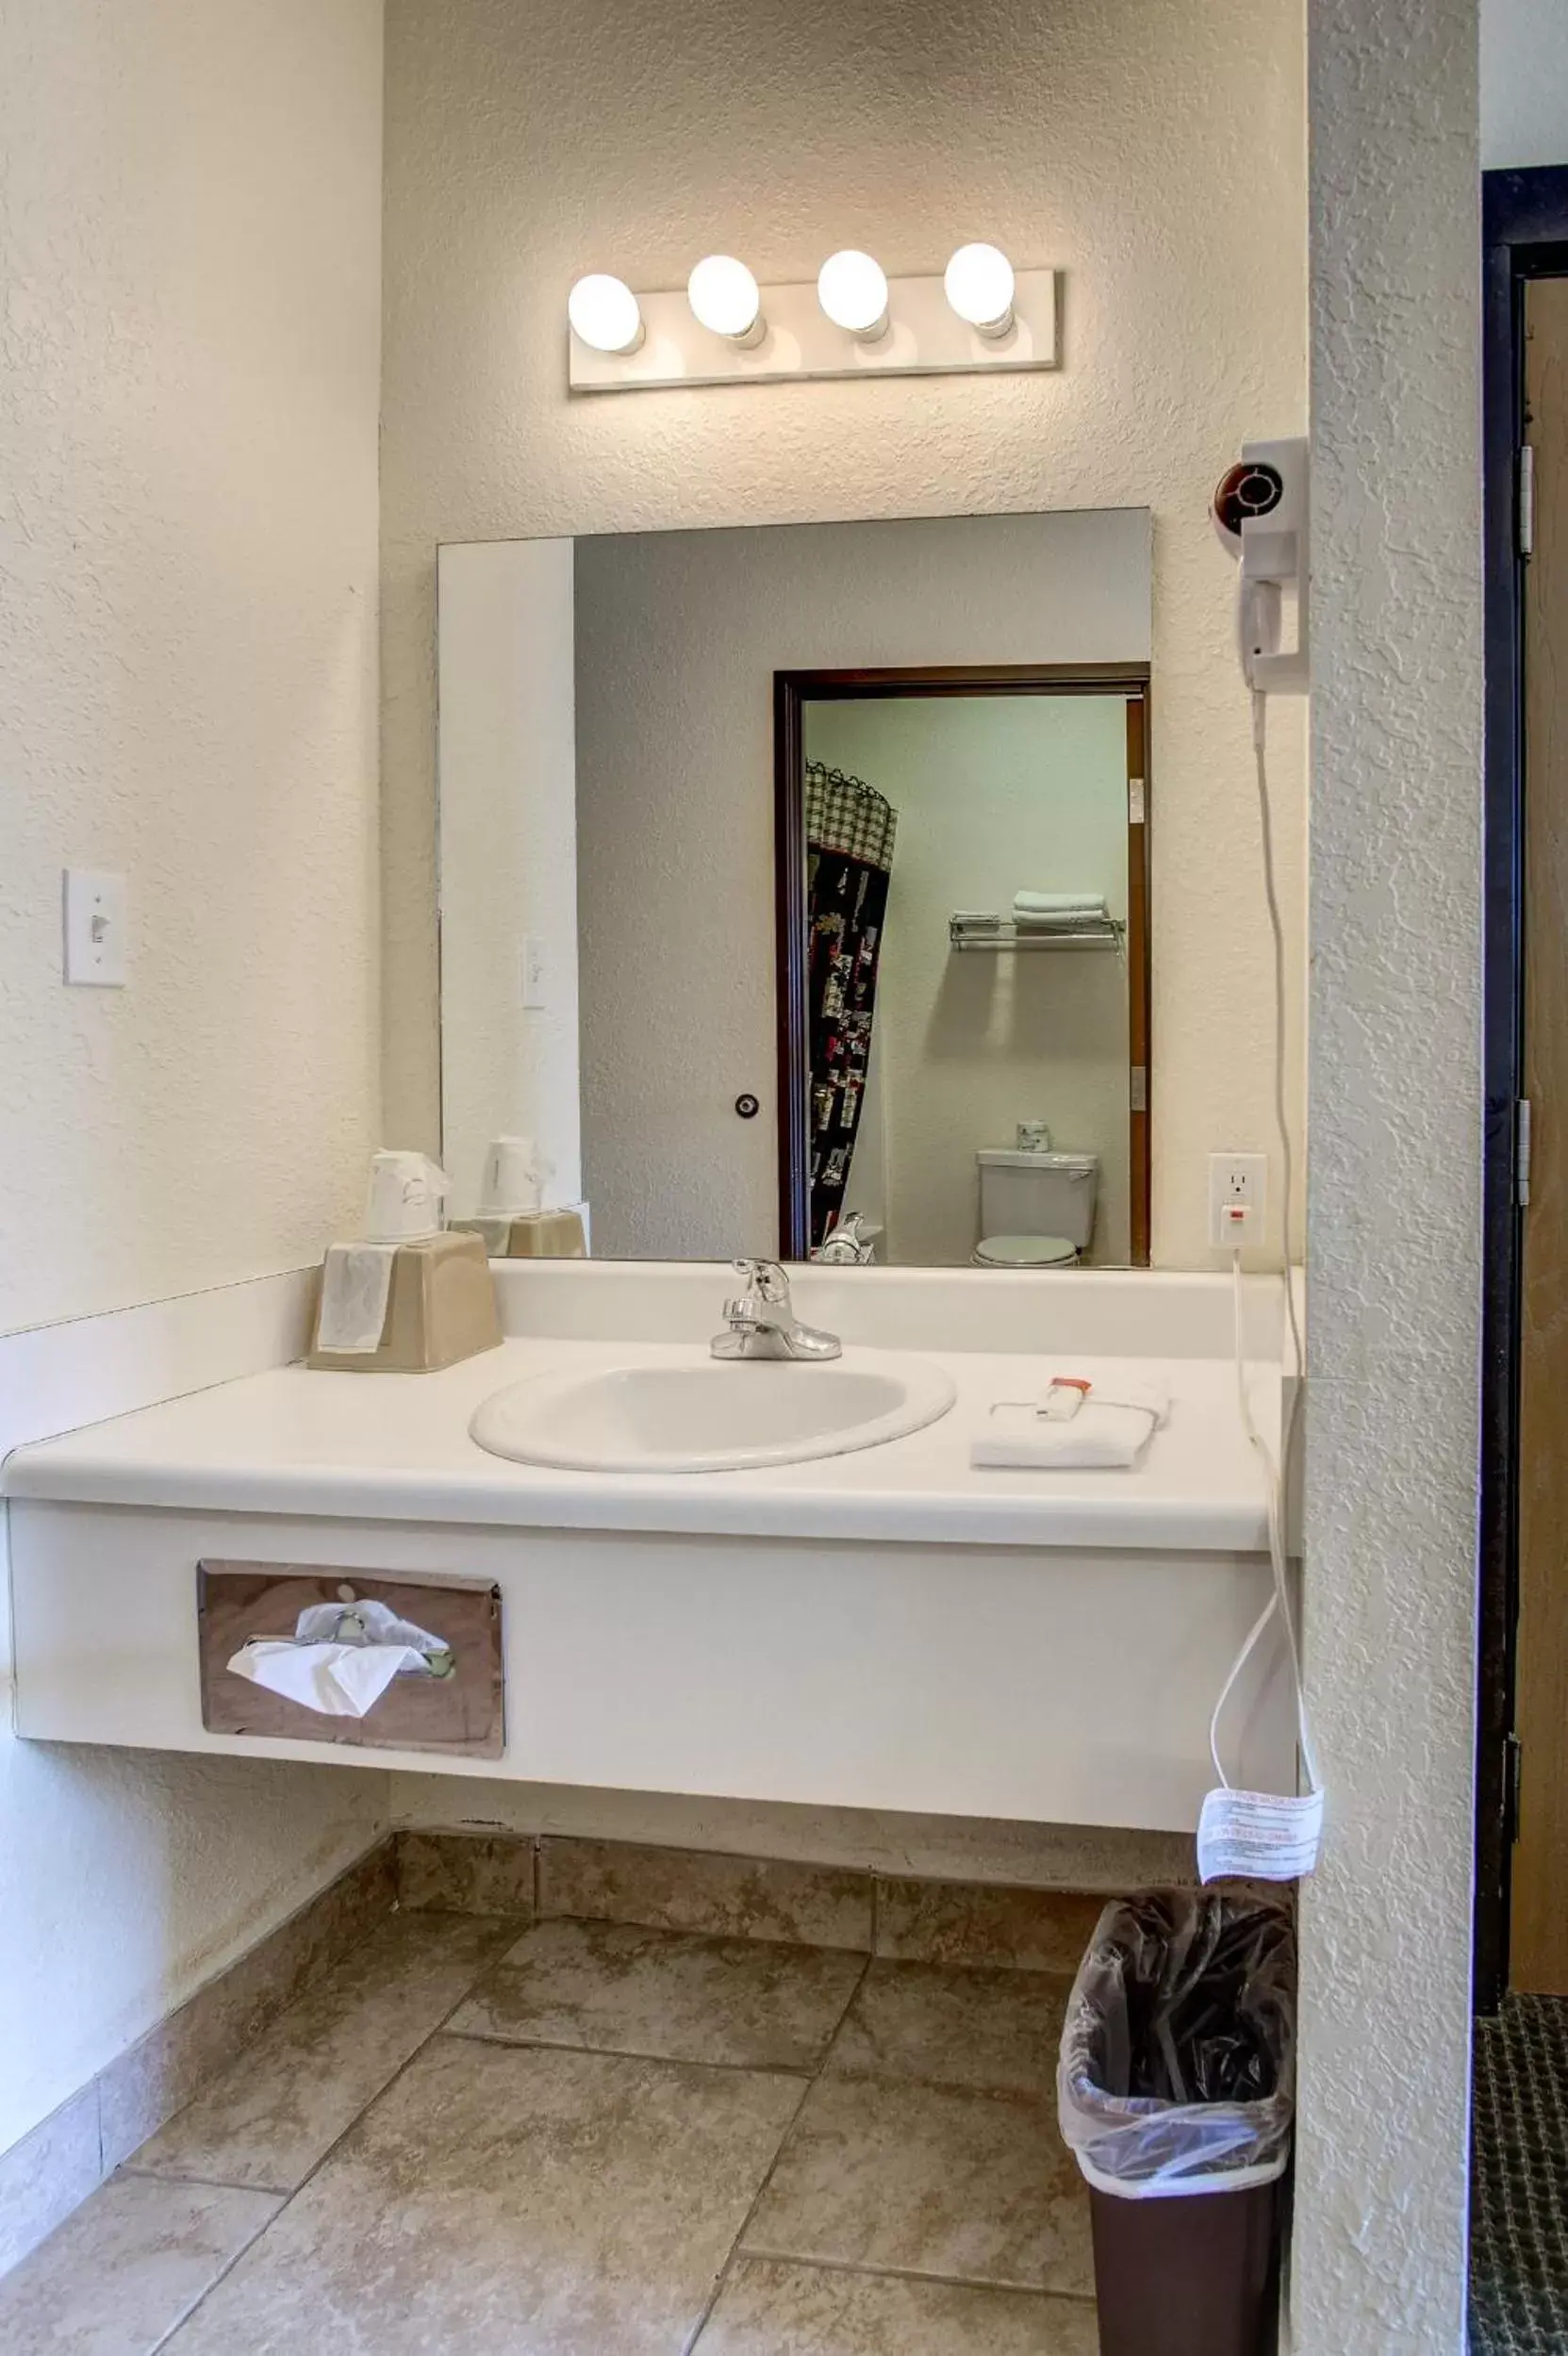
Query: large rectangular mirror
{"type": "Point", "coordinates": [794, 886]}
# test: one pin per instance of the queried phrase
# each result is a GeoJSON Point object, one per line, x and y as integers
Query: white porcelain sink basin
{"type": "Point", "coordinates": [702, 1415]}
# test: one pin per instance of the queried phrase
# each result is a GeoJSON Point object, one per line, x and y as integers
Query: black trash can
{"type": "Point", "coordinates": [1175, 2092]}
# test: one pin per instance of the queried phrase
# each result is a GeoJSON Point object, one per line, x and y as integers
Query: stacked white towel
{"type": "Point", "coordinates": [1108, 1433]}
{"type": "Point", "coordinates": [1058, 912]}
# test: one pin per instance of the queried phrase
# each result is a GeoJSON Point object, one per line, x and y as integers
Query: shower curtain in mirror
{"type": "Point", "coordinates": [850, 830]}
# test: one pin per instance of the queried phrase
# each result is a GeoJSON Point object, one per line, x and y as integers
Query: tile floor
{"type": "Point", "coordinates": [591, 2138]}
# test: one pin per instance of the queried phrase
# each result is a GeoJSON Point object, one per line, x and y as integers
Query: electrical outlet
{"type": "Point", "coordinates": [1238, 1197]}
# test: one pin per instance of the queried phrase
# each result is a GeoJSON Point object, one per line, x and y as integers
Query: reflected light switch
{"type": "Point", "coordinates": [95, 929]}
{"type": "Point", "coordinates": [532, 967]}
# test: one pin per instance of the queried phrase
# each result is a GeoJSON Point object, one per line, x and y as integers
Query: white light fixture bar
{"type": "Point", "coordinates": [925, 337]}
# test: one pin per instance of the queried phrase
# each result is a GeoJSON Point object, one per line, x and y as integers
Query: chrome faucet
{"type": "Point", "coordinates": [761, 1323]}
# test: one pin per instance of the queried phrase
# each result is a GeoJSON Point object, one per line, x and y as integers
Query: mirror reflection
{"type": "Point", "coordinates": [794, 894]}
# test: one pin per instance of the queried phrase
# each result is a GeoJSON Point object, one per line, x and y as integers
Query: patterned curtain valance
{"type": "Point", "coordinates": [844, 814]}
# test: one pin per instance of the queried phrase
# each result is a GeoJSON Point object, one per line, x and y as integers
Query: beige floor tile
{"type": "Point", "coordinates": [467, 1872]}
{"type": "Point", "coordinates": [270, 2117]}
{"type": "Point", "coordinates": [510, 2200]}
{"type": "Point", "coordinates": [122, 2272]}
{"type": "Point", "coordinates": [928, 2180]}
{"type": "Point", "coordinates": [616, 1987]}
{"type": "Point", "coordinates": [142, 2089]}
{"type": "Point", "coordinates": [947, 2026]}
{"type": "Point", "coordinates": [971, 1923]}
{"type": "Point", "coordinates": [696, 1889]}
{"type": "Point", "coordinates": [772, 2309]}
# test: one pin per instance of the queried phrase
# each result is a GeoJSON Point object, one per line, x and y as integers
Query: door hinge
{"type": "Point", "coordinates": [1522, 1152]}
{"type": "Point", "coordinates": [1527, 500]}
{"type": "Point", "coordinates": [1138, 1095]}
{"type": "Point", "coordinates": [1513, 1754]}
{"type": "Point", "coordinates": [1134, 801]}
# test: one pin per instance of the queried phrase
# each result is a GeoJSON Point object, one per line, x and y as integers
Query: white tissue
{"type": "Point", "coordinates": [1108, 1433]}
{"type": "Point", "coordinates": [341, 1658]}
{"type": "Point", "coordinates": [356, 1285]}
{"type": "Point", "coordinates": [336, 1680]}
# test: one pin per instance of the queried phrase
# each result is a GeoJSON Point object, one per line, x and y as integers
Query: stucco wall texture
{"type": "Point", "coordinates": [189, 357]}
{"type": "Point", "coordinates": [1155, 155]}
{"type": "Point", "coordinates": [189, 349]}
{"type": "Point", "coordinates": [1395, 1179]}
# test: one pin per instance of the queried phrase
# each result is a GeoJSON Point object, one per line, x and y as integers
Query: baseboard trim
{"type": "Point", "coordinates": [59, 2162]}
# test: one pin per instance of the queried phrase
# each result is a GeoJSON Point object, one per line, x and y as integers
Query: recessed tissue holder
{"type": "Point", "coordinates": [329, 1658]}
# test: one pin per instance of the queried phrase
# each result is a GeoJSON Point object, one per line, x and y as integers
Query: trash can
{"type": "Point", "coordinates": [1175, 2093]}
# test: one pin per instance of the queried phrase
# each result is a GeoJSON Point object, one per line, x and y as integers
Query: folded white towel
{"type": "Point", "coordinates": [356, 1290]}
{"type": "Point", "coordinates": [1058, 905]}
{"type": "Point", "coordinates": [1108, 1433]}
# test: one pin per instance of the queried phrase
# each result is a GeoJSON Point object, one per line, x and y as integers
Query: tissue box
{"type": "Point", "coordinates": [440, 1309]}
{"type": "Point", "coordinates": [461, 1711]}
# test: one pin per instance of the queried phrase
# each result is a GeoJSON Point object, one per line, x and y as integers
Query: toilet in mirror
{"type": "Point", "coordinates": [794, 890]}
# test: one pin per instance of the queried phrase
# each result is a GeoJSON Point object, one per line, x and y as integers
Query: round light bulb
{"type": "Point", "coordinates": [604, 313]}
{"type": "Point", "coordinates": [723, 294]}
{"type": "Point", "coordinates": [978, 283]}
{"type": "Point", "coordinates": [852, 289]}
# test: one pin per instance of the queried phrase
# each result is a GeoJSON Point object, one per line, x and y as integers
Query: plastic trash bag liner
{"type": "Point", "coordinates": [1177, 2072]}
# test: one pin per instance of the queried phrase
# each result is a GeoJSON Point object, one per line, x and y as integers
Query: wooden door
{"type": "Point", "coordinates": [1539, 1925]}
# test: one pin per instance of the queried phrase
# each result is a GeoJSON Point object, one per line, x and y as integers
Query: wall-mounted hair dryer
{"type": "Point", "coordinates": [1261, 513]}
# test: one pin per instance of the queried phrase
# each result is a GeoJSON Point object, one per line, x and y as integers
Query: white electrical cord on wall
{"type": "Point", "coordinates": [1276, 1474]}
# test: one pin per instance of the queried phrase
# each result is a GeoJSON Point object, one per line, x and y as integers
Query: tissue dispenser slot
{"type": "Point", "coordinates": [461, 1714]}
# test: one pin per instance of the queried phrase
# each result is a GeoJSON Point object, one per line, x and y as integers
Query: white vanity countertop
{"type": "Point", "coordinates": [388, 1447]}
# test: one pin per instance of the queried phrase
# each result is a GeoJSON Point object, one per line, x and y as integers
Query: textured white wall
{"type": "Point", "coordinates": [1156, 154]}
{"type": "Point", "coordinates": [508, 861]}
{"type": "Point", "coordinates": [1523, 83]}
{"type": "Point", "coordinates": [993, 796]}
{"type": "Point", "coordinates": [1395, 1182]}
{"type": "Point", "coordinates": [188, 619]}
{"type": "Point", "coordinates": [678, 636]}
{"type": "Point", "coordinates": [187, 590]}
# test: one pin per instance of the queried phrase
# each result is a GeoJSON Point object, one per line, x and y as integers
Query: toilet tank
{"type": "Point", "coordinates": [1037, 1193]}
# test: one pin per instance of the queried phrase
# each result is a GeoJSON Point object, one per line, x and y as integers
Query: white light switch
{"type": "Point", "coordinates": [95, 929]}
{"type": "Point", "coordinates": [533, 980]}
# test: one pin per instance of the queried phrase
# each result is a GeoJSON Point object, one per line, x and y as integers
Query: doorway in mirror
{"type": "Point", "coordinates": [962, 926]}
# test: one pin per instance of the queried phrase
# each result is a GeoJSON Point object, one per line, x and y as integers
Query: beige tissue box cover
{"type": "Point", "coordinates": [440, 1309]}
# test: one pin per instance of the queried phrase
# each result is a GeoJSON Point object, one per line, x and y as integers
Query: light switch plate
{"type": "Point", "coordinates": [532, 977]}
{"type": "Point", "coordinates": [95, 923]}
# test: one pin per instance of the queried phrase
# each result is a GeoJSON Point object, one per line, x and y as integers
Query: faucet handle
{"type": "Point", "coordinates": [765, 1276]}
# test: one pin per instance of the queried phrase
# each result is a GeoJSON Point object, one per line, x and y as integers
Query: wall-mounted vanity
{"type": "Point", "coordinates": [886, 1628]}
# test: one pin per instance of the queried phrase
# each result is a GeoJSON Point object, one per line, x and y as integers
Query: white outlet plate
{"type": "Point", "coordinates": [1238, 1198]}
{"type": "Point", "coordinates": [95, 929]}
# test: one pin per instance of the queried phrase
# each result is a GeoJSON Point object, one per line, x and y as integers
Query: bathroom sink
{"type": "Point", "coordinates": [699, 1415]}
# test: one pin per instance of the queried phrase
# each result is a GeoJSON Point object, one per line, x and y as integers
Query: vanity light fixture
{"type": "Point", "coordinates": [605, 314]}
{"type": "Point", "coordinates": [852, 289]}
{"type": "Point", "coordinates": [979, 285]}
{"type": "Point", "coordinates": [724, 299]}
{"type": "Point", "coordinates": [850, 320]}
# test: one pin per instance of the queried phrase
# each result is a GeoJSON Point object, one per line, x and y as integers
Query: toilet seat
{"type": "Point", "coordinates": [1026, 1251]}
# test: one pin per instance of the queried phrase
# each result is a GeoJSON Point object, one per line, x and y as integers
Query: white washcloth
{"type": "Point", "coordinates": [356, 1285]}
{"type": "Point", "coordinates": [1108, 1433]}
{"type": "Point", "coordinates": [336, 1680]}
{"type": "Point", "coordinates": [1036, 904]}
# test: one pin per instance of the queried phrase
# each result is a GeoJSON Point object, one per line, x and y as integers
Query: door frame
{"type": "Point", "coordinates": [1524, 236]}
{"type": "Point", "coordinates": [792, 691]}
